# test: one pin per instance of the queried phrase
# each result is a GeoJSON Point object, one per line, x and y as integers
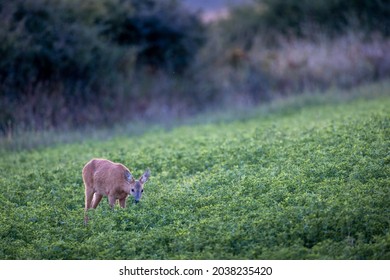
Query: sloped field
{"type": "Point", "coordinates": [306, 183]}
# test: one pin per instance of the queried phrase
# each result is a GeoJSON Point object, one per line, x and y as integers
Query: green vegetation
{"type": "Point", "coordinates": [305, 182]}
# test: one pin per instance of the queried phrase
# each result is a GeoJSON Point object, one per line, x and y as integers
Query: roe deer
{"type": "Point", "coordinates": [105, 178]}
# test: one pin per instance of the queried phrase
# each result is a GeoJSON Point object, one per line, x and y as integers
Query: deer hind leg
{"type": "Point", "coordinates": [87, 174]}
{"type": "Point", "coordinates": [88, 197]}
{"type": "Point", "coordinates": [88, 183]}
{"type": "Point", "coordinates": [88, 200]}
{"type": "Point", "coordinates": [96, 200]}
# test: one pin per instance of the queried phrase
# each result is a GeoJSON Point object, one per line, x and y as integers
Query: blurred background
{"type": "Point", "coordinates": [70, 64]}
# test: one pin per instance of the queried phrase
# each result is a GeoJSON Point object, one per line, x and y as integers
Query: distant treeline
{"type": "Point", "coordinates": [70, 63]}
{"type": "Point", "coordinates": [304, 18]}
{"type": "Point", "coordinates": [80, 49]}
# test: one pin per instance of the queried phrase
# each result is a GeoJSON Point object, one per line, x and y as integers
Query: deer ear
{"type": "Point", "coordinates": [128, 176]}
{"type": "Point", "coordinates": [145, 176]}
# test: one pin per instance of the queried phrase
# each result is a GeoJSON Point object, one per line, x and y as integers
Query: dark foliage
{"type": "Point", "coordinates": [42, 43]}
{"type": "Point", "coordinates": [71, 63]}
{"type": "Point", "coordinates": [305, 18]}
{"type": "Point", "coordinates": [166, 36]}
{"type": "Point", "coordinates": [333, 15]}
{"type": "Point", "coordinates": [66, 56]}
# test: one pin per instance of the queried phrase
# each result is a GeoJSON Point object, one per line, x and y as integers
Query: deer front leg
{"type": "Point", "coordinates": [111, 201]}
{"type": "Point", "coordinates": [122, 202]}
{"type": "Point", "coordinates": [96, 200]}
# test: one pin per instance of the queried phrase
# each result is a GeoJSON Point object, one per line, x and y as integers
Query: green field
{"type": "Point", "coordinates": [309, 180]}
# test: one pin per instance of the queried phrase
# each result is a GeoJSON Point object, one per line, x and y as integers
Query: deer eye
{"type": "Point", "coordinates": [132, 190]}
{"type": "Point", "coordinates": [142, 190]}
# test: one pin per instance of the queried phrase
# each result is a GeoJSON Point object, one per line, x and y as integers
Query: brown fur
{"type": "Point", "coordinates": [105, 178]}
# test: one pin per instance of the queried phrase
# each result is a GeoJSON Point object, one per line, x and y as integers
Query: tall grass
{"type": "Point", "coordinates": [18, 140]}
{"type": "Point", "coordinates": [221, 77]}
{"type": "Point", "coordinates": [238, 74]}
{"type": "Point", "coordinates": [346, 61]}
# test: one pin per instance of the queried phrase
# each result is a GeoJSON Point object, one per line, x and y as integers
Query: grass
{"type": "Point", "coordinates": [310, 181]}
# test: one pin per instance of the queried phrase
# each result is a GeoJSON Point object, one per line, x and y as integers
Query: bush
{"type": "Point", "coordinates": [41, 43]}
{"type": "Point", "coordinates": [166, 36]}
{"type": "Point", "coordinates": [62, 41]}
{"type": "Point", "coordinates": [333, 15]}
{"type": "Point", "coordinates": [62, 61]}
{"type": "Point", "coordinates": [306, 18]}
